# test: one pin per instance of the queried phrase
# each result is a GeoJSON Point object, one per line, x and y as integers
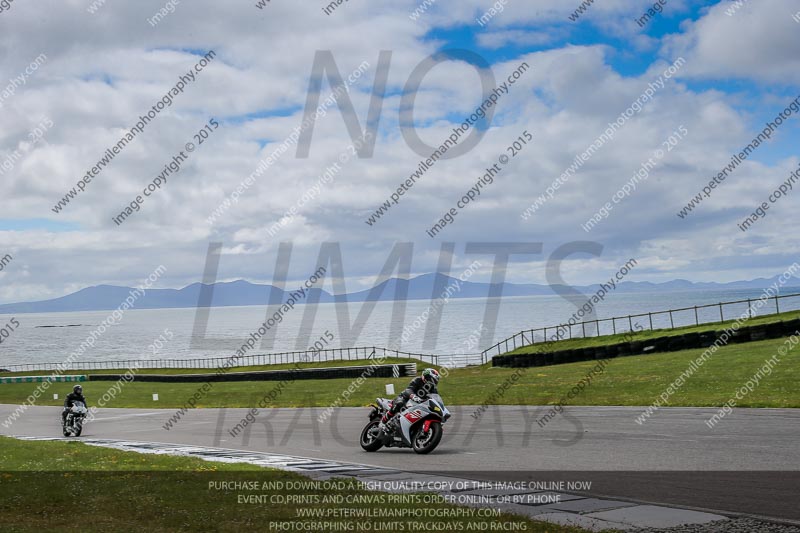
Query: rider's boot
{"type": "Point", "coordinates": [383, 426]}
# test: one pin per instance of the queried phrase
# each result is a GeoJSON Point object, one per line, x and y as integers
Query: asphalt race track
{"type": "Point", "coordinates": [748, 464]}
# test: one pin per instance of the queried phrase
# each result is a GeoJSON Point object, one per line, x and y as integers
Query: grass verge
{"type": "Point", "coordinates": [634, 380]}
{"type": "Point", "coordinates": [604, 340]}
{"type": "Point", "coordinates": [281, 366]}
{"type": "Point", "coordinates": [70, 486]}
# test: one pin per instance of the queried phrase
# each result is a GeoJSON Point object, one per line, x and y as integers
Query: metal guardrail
{"type": "Point", "coordinates": [41, 379]}
{"type": "Point", "coordinates": [697, 315]}
{"type": "Point", "coordinates": [396, 370]}
{"type": "Point", "coordinates": [334, 354]}
{"type": "Point", "coordinates": [671, 319]}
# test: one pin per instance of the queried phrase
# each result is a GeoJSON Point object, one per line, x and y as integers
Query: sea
{"type": "Point", "coordinates": [461, 326]}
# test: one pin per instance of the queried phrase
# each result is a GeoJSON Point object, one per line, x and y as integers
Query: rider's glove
{"type": "Point", "coordinates": [416, 399]}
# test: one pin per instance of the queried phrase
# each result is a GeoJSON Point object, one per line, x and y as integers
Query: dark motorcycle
{"type": "Point", "coordinates": [73, 424]}
{"type": "Point", "coordinates": [417, 426]}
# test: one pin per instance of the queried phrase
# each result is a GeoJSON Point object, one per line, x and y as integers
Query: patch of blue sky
{"type": "Point", "coordinates": [28, 224]}
{"type": "Point", "coordinates": [102, 77]}
{"type": "Point", "coordinates": [281, 112]}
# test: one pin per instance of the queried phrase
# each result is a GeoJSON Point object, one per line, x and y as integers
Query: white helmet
{"type": "Point", "coordinates": [431, 374]}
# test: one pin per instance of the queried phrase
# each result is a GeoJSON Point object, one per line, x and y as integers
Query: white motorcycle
{"type": "Point", "coordinates": [73, 424]}
{"type": "Point", "coordinates": [417, 426]}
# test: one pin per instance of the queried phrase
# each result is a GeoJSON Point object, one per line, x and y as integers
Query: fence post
{"type": "Point", "coordinates": [613, 325]}
{"type": "Point", "coordinates": [630, 323]}
{"type": "Point", "coordinates": [583, 325]}
{"type": "Point", "coordinates": [696, 318]}
{"type": "Point", "coordinates": [721, 316]}
{"type": "Point", "coordinates": [749, 309]}
{"type": "Point", "coordinates": [650, 315]}
{"type": "Point", "coordinates": [671, 322]}
{"type": "Point", "coordinates": [777, 306]}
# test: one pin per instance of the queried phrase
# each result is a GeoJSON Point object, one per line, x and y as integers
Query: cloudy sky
{"type": "Point", "coordinates": [99, 66]}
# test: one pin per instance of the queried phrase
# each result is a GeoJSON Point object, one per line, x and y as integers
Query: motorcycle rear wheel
{"type": "Point", "coordinates": [426, 442]}
{"type": "Point", "coordinates": [369, 439]}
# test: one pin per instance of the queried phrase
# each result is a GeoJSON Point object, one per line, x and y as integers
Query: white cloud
{"type": "Point", "coordinates": [759, 42]}
{"type": "Point", "coordinates": [498, 39]}
{"type": "Point", "coordinates": [257, 87]}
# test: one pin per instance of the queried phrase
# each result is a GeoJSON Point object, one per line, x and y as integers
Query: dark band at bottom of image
{"type": "Point", "coordinates": [232, 497]}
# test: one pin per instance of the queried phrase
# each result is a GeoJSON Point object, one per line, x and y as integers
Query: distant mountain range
{"type": "Point", "coordinates": [106, 297]}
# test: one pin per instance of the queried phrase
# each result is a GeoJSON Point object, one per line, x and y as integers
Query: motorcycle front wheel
{"type": "Point", "coordinates": [423, 442]}
{"type": "Point", "coordinates": [77, 427]}
{"type": "Point", "coordinates": [369, 437]}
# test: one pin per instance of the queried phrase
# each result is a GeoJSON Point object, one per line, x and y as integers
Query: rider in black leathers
{"type": "Point", "coordinates": [417, 390]}
{"type": "Point", "coordinates": [75, 396]}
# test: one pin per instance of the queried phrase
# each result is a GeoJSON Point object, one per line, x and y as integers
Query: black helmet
{"type": "Point", "coordinates": [77, 389]}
